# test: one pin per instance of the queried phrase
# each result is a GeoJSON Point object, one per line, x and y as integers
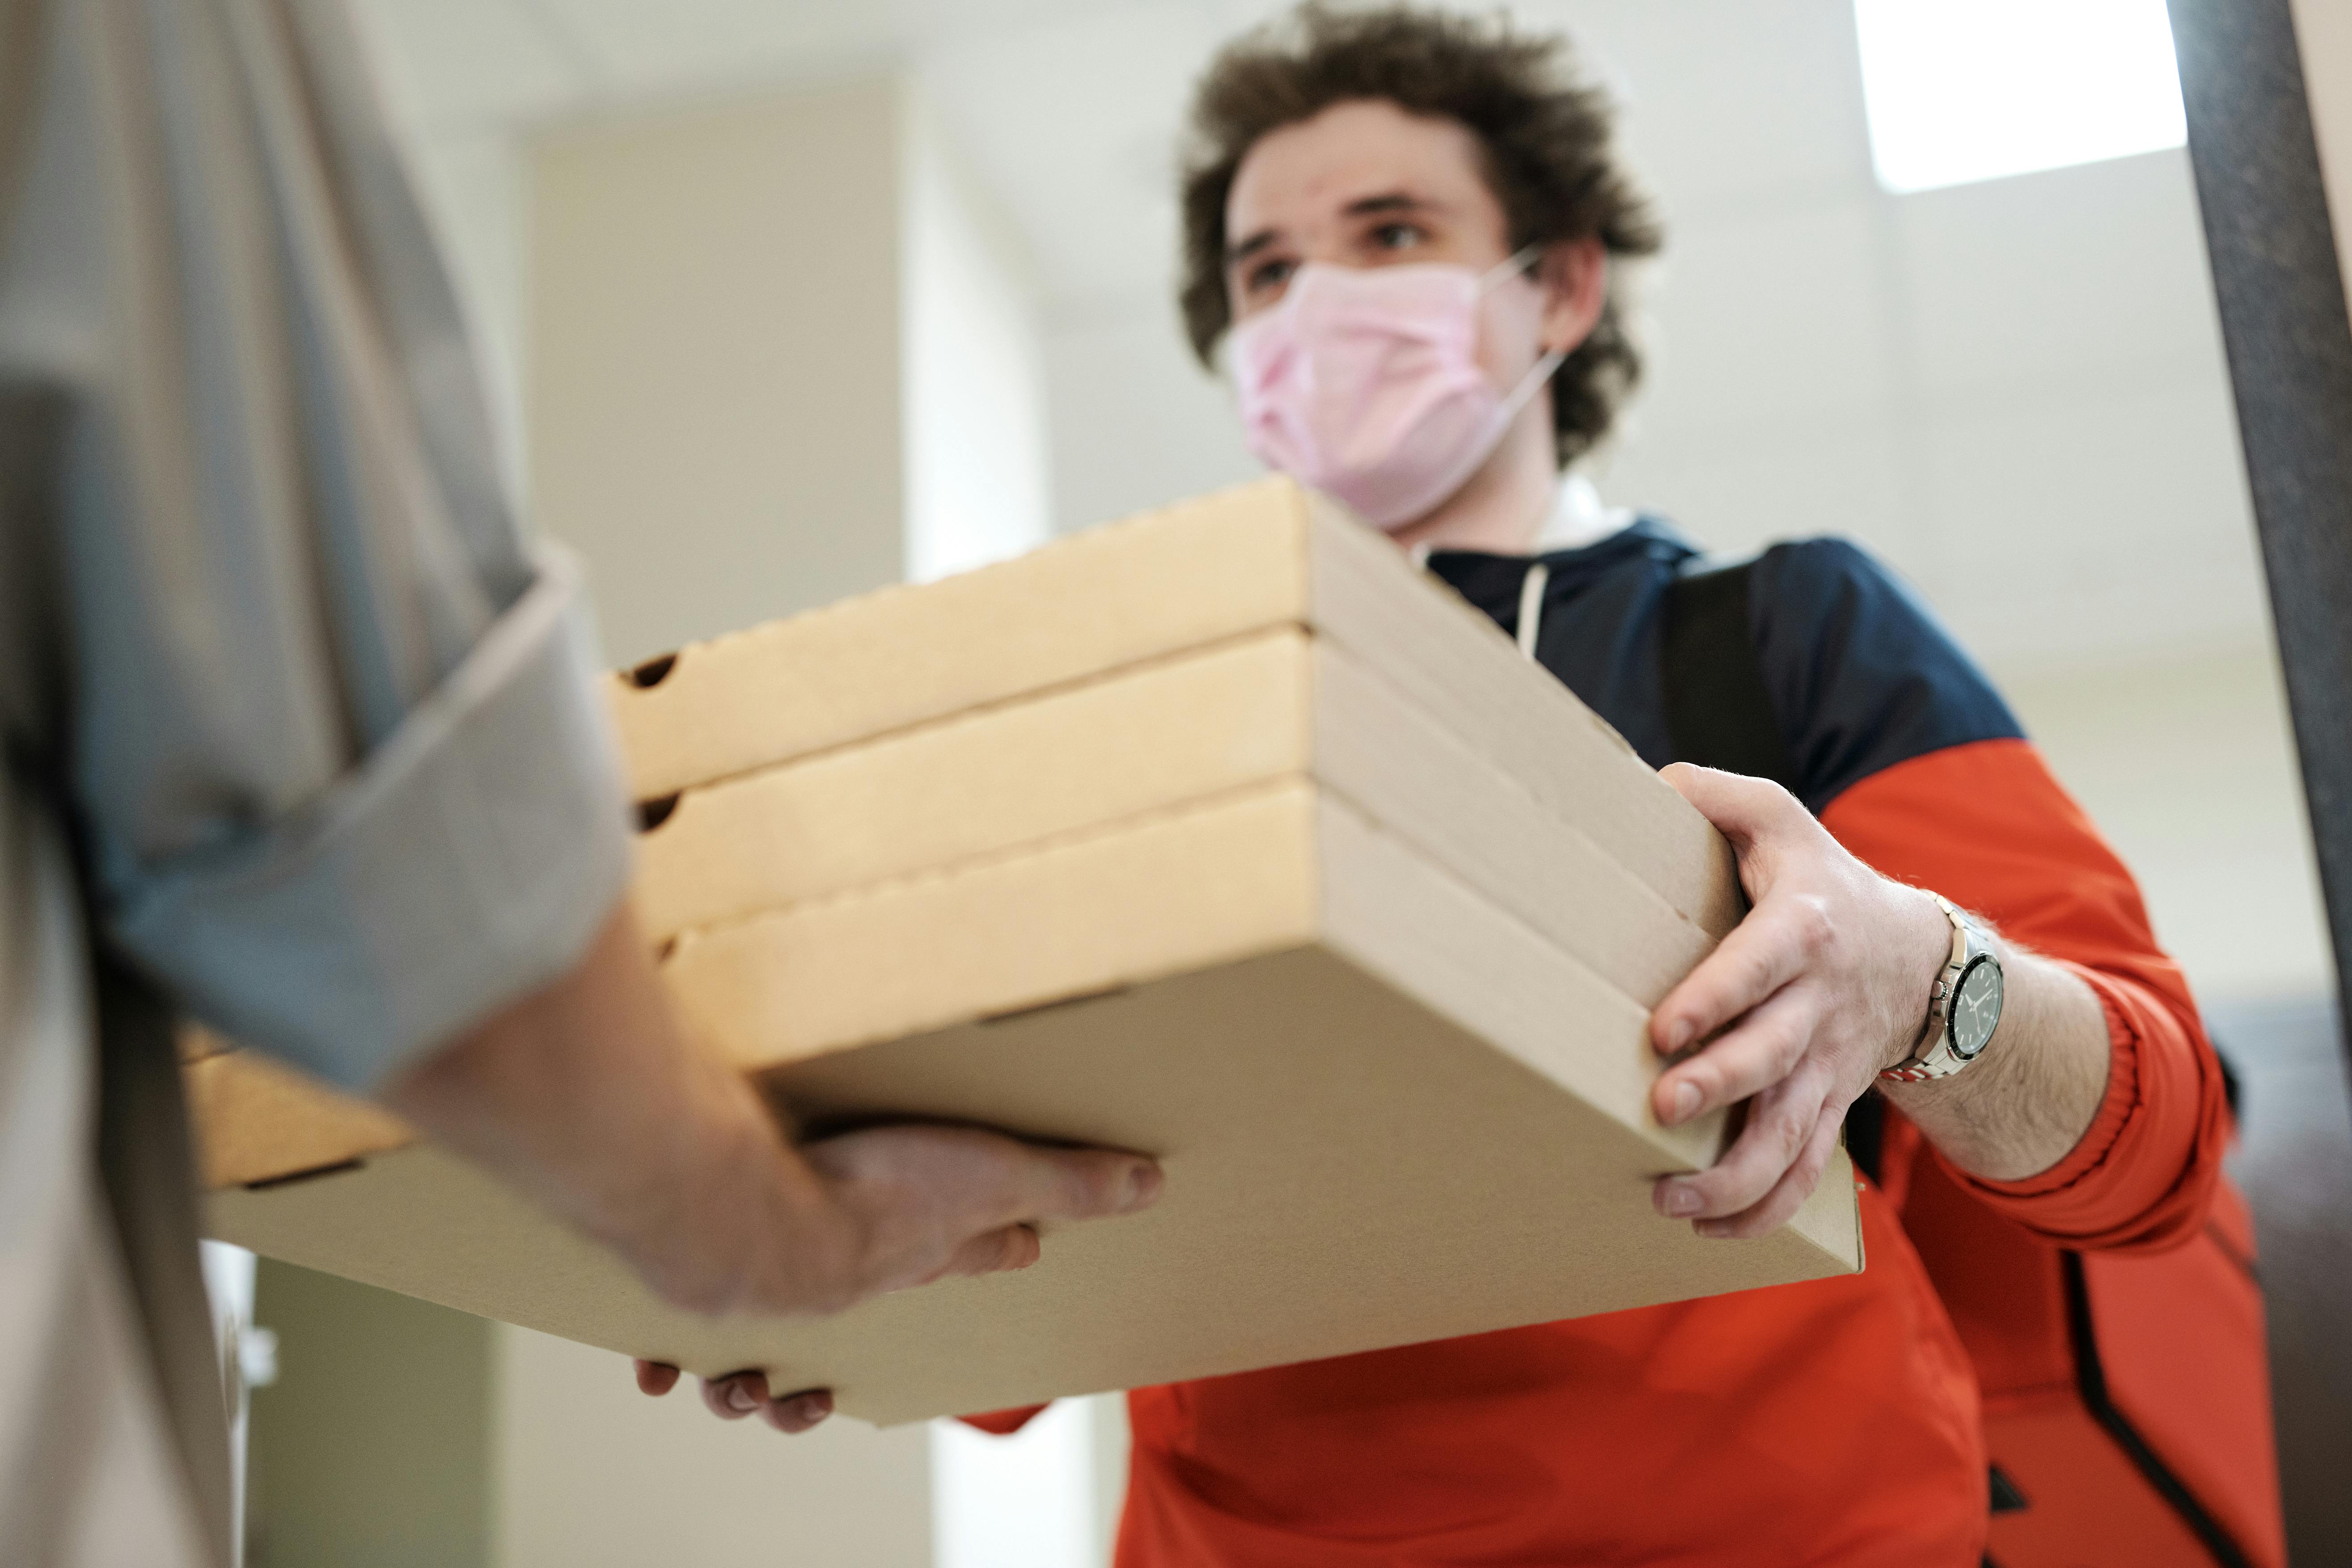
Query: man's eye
{"type": "Point", "coordinates": [1398, 236]}
{"type": "Point", "coordinates": [1270, 275]}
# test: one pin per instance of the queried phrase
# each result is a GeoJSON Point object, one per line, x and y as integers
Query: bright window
{"type": "Point", "coordinates": [1961, 90]}
{"type": "Point", "coordinates": [1031, 1501]}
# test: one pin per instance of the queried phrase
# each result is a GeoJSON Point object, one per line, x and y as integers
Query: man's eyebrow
{"type": "Point", "coordinates": [1244, 249]}
{"type": "Point", "coordinates": [1362, 206]}
{"type": "Point", "coordinates": [1386, 202]}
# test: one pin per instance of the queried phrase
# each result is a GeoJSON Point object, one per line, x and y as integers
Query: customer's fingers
{"type": "Point", "coordinates": [1040, 1183]}
{"type": "Point", "coordinates": [1780, 1204]}
{"type": "Point", "coordinates": [928, 1201]}
{"type": "Point", "coordinates": [736, 1396]}
{"type": "Point", "coordinates": [797, 1413]}
{"type": "Point", "coordinates": [742, 1393]}
{"type": "Point", "coordinates": [1757, 1052]}
{"type": "Point", "coordinates": [655, 1377]}
{"type": "Point", "coordinates": [970, 1183]}
{"type": "Point", "coordinates": [995, 1252]}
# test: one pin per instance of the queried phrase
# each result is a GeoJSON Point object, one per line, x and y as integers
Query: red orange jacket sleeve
{"type": "Point", "coordinates": [1987, 825]}
{"type": "Point", "coordinates": [1002, 1422]}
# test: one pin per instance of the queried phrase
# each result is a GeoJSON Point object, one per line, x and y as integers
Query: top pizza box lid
{"type": "Point", "coordinates": [1256, 557]}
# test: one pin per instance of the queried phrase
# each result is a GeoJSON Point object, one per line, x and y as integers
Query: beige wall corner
{"type": "Point", "coordinates": [713, 369]}
{"type": "Point", "coordinates": [2324, 34]}
{"type": "Point", "coordinates": [780, 351]}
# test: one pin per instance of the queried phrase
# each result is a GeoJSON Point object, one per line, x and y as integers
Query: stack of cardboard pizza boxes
{"type": "Point", "coordinates": [1222, 833]}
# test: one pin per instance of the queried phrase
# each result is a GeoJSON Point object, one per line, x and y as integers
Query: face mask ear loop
{"type": "Point", "coordinates": [1537, 373]}
{"type": "Point", "coordinates": [1510, 266]}
{"type": "Point", "coordinates": [1541, 370]}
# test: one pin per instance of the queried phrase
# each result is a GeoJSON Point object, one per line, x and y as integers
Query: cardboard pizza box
{"type": "Point", "coordinates": [1286, 904]}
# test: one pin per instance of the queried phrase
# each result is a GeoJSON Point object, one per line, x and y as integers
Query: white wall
{"type": "Point", "coordinates": [977, 482]}
{"type": "Point", "coordinates": [1136, 422]}
{"type": "Point", "coordinates": [2187, 764]}
{"type": "Point", "coordinates": [714, 388]}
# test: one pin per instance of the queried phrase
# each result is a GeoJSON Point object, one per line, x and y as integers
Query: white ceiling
{"type": "Point", "coordinates": [1064, 107]}
{"type": "Point", "coordinates": [1069, 109]}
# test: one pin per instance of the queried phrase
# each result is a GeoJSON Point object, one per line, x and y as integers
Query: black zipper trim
{"type": "Point", "coordinates": [2229, 1249]}
{"type": "Point", "coordinates": [2091, 1381]}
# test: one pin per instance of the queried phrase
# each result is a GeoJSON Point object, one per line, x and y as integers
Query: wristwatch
{"type": "Point", "coordinates": [1964, 1009]}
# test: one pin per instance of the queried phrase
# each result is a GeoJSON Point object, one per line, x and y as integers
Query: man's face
{"type": "Point", "coordinates": [1364, 183]}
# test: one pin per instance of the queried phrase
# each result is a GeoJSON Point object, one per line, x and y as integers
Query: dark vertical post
{"type": "Point", "coordinates": [2284, 327]}
{"type": "Point", "coordinates": [2289, 341]}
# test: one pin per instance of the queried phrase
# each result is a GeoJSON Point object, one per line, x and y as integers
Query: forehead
{"type": "Point", "coordinates": [1309, 172]}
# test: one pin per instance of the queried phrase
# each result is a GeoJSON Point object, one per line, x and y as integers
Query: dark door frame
{"type": "Point", "coordinates": [2288, 336]}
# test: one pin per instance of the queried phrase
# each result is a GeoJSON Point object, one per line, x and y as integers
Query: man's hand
{"type": "Point", "coordinates": [1823, 985]}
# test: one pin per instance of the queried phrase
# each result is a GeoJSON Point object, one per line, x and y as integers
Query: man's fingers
{"type": "Point", "coordinates": [736, 1396]}
{"type": "Point", "coordinates": [1763, 953]}
{"type": "Point", "coordinates": [1764, 1049]}
{"type": "Point", "coordinates": [1788, 1195]}
{"type": "Point", "coordinates": [797, 1413]}
{"type": "Point", "coordinates": [1782, 1122]}
{"type": "Point", "coordinates": [655, 1377]}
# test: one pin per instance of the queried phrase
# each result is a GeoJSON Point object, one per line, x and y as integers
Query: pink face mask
{"type": "Point", "coordinates": [1364, 384]}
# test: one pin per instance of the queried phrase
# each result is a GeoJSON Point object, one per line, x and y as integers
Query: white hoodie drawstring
{"type": "Point", "coordinates": [1531, 600]}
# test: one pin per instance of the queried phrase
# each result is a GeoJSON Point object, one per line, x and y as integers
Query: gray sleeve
{"type": "Point", "coordinates": [327, 719]}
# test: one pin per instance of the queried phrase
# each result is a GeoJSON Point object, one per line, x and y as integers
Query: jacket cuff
{"type": "Point", "coordinates": [464, 863]}
{"type": "Point", "coordinates": [1002, 1422]}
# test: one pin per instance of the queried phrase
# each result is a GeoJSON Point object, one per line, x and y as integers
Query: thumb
{"type": "Point", "coordinates": [1043, 1184]}
{"type": "Point", "coordinates": [1744, 810]}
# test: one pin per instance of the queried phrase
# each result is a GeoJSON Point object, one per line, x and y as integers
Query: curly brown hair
{"type": "Point", "coordinates": [1545, 135]}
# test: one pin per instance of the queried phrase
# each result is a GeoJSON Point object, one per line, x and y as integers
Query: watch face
{"type": "Point", "coordinates": [1976, 1007]}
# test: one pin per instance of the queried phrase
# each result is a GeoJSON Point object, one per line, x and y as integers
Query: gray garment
{"type": "Point", "coordinates": [299, 733]}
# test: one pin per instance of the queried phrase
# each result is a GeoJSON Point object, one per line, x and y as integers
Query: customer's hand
{"type": "Point", "coordinates": [588, 1096]}
{"type": "Point", "coordinates": [905, 1205]}
{"type": "Point", "coordinates": [1823, 985]}
{"type": "Point", "coordinates": [822, 1227]}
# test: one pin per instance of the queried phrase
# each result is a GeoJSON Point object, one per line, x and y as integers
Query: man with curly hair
{"type": "Point", "coordinates": [1401, 229]}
